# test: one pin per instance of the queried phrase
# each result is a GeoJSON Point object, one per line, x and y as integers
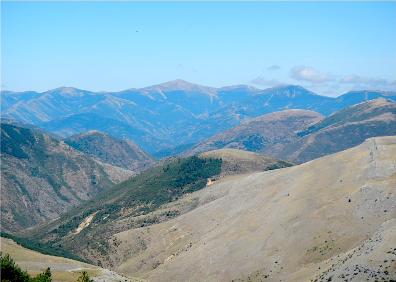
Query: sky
{"type": "Point", "coordinates": [328, 47]}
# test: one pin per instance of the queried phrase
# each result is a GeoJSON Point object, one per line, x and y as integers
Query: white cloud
{"type": "Point", "coordinates": [309, 74]}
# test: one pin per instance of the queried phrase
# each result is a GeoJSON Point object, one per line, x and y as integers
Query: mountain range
{"type": "Point", "coordinates": [168, 118]}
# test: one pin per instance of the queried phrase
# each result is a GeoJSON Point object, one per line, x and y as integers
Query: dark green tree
{"type": "Point", "coordinates": [84, 277]}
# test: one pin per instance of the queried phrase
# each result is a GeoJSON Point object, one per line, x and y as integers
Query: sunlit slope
{"type": "Point", "coordinates": [62, 269]}
{"type": "Point", "coordinates": [329, 217]}
{"type": "Point", "coordinates": [236, 161]}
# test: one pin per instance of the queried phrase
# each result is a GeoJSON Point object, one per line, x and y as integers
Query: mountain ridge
{"type": "Point", "coordinates": [167, 116]}
{"type": "Point", "coordinates": [342, 130]}
{"type": "Point", "coordinates": [182, 84]}
{"type": "Point", "coordinates": [260, 132]}
{"type": "Point", "coordinates": [302, 135]}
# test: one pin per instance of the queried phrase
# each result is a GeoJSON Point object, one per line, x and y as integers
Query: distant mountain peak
{"type": "Point", "coordinates": [243, 87]}
{"type": "Point", "coordinates": [289, 87]}
{"type": "Point", "coordinates": [180, 84]}
{"type": "Point", "coordinates": [66, 89]}
{"type": "Point", "coordinates": [93, 132]}
{"type": "Point", "coordinates": [70, 91]}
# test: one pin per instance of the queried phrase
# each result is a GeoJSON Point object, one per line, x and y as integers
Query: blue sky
{"type": "Point", "coordinates": [327, 47]}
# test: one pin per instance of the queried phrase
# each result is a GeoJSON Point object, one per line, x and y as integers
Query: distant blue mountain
{"type": "Point", "coordinates": [164, 117]}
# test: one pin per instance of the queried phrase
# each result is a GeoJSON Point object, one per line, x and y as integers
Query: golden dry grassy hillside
{"type": "Point", "coordinates": [62, 269]}
{"type": "Point", "coordinates": [331, 218]}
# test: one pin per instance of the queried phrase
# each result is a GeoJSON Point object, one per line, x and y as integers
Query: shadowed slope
{"type": "Point", "coordinates": [122, 153]}
{"type": "Point", "coordinates": [42, 177]}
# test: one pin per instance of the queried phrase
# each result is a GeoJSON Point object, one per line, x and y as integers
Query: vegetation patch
{"type": "Point", "coordinates": [146, 192]}
{"type": "Point", "coordinates": [278, 165]}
